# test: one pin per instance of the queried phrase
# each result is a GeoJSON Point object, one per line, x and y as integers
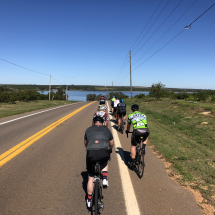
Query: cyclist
{"type": "Point", "coordinates": [101, 112]}
{"type": "Point", "coordinates": [99, 143]}
{"type": "Point", "coordinates": [102, 100]}
{"type": "Point", "coordinates": [112, 103]}
{"type": "Point", "coordinates": [140, 129]}
{"type": "Point", "coordinates": [116, 102]}
{"type": "Point", "coordinates": [121, 110]}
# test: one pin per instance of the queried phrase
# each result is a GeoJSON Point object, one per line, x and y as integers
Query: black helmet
{"type": "Point", "coordinates": [98, 119]}
{"type": "Point", "coordinates": [135, 107]}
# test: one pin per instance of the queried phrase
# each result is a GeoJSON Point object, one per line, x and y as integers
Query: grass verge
{"type": "Point", "coordinates": [184, 135]}
{"type": "Point", "coordinates": [7, 109]}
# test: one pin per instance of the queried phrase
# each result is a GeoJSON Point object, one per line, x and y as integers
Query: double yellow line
{"type": "Point", "coordinates": [8, 155]}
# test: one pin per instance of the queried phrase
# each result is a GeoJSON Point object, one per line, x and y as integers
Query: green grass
{"type": "Point", "coordinates": [177, 133]}
{"type": "Point", "coordinates": [7, 109]}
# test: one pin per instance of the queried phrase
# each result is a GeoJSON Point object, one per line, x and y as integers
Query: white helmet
{"type": "Point", "coordinates": [102, 107]}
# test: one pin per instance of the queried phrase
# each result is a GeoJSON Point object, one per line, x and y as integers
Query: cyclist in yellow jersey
{"type": "Point", "coordinates": [112, 103]}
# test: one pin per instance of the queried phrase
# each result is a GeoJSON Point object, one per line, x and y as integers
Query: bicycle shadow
{"type": "Point", "coordinates": [125, 156]}
{"type": "Point", "coordinates": [84, 183]}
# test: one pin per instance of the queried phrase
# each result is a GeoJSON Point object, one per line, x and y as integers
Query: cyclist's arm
{"type": "Point", "coordinates": [111, 144]}
{"type": "Point", "coordinates": [85, 143]}
{"type": "Point", "coordinates": [128, 127]}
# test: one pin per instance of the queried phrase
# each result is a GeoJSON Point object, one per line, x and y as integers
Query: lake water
{"type": "Point", "coordinates": [82, 95]}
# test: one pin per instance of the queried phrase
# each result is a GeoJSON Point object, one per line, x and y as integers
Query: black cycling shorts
{"type": "Point", "coordinates": [122, 113]}
{"type": "Point", "coordinates": [102, 156]}
{"type": "Point", "coordinates": [137, 133]}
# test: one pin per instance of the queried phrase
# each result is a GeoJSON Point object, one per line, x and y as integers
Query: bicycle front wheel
{"type": "Point", "coordinates": [141, 163]}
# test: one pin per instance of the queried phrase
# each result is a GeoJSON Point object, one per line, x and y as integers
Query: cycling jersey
{"type": "Point", "coordinates": [121, 107]}
{"type": "Point", "coordinates": [98, 137]}
{"type": "Point", "coordinates": [116, 102]}
{"type": "Point", "coordinates": [102, 114]}
{"type": "Point", "coordinates": [138, 120]}
{"type": "Point", "coordinates": [113, 99]}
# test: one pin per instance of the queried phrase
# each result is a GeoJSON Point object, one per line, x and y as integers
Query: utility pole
{"type": "Point", "coordinates": [50, 88]}
{"type": "Point", "coordinates": [66, 92]}
{"type": "Point", "coordinates": [112, 86]}
{"type": "Point", "coordinates": [130, 75]}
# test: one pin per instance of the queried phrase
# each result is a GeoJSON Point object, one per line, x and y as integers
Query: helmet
{"type": "Point", "coordinates": [98, 119]}
{"type": "Point", "coordinates": [121, 100]}
{"type": "Point", "coordinates": [113, 96]}
{"type": "Point", "coordinates": [117, 98]}
{"type": "Point", "coordinates": [102, 107]}
{"type": "Point", "coordinates": [135, 107]}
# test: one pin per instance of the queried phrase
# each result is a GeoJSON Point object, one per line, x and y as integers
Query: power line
{"type": "Point", "coordinates": [189, 26]}
{"type": "Point", "coordinates": [123, 65]}
{"type": "Point", "coordinates": [30, 70]}
{"type": "Point", "coordinates": [165, 32]}
{"type": "Point", "coordinates": [158, 27]}
{"type": "Point", "coordinates": [160, 48]}
{"type": "Point", "coordinates": [146, 25]}
{"type": "Point", "coordinates": [23, 67]}
{"type": "Point", "coordinates": [151, 25]}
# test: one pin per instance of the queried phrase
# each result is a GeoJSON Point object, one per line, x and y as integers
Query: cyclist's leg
{"type": "Point", "coordinates": [90, 185]}
{"type": "Point", "coordinates": [119, 119]}
{"type": "Point", "coordinates": [133, 147]}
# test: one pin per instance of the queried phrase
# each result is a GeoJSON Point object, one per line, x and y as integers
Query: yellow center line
{"type": "Point", "coordinates": [11, 153]}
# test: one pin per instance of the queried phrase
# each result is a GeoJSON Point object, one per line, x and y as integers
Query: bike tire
{"type": "Point", "coordinates": [141, 163]}
{"type": "Point", "coordinates": [96, 196]}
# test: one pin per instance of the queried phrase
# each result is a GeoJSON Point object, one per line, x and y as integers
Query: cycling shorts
{"type": "Point", "coordinates": [137, 133]}
{"type": "Point", "coordinates": [121, 113]}
{"type": "Point", "coordinates": [112, 104]}
{"type": "Point", "coordinates": [102, 156]}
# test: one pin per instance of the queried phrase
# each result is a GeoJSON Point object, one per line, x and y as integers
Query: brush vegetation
{"type": "Point", "coordinates": [9, 109]}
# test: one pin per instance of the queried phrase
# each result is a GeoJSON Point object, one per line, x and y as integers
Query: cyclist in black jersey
{"type": "Point", "coordinates": [98, 140]}
{"type": "Point", "coordinates": [121, 112]}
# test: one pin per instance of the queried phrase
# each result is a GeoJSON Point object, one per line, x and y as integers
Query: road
{"type": "Point", "coordinates": [46, 173]}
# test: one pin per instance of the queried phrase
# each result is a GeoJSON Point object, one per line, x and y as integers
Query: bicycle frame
{"type": "Point", "coordinates": [97, 190]}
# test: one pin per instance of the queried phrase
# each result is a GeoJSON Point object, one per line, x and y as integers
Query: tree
{"type": "Point", "coordinates": [156, 90]}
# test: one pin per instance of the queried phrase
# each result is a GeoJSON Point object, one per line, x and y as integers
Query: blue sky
{"type": "Point", "coordinates": [88, 42]}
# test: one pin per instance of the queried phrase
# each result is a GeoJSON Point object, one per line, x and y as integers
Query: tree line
{"type": "Point", "coordinates": [8, 95]}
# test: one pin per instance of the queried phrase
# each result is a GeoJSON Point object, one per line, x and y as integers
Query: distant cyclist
{"type": "Point", "coordinates": [140, 129]}
{"type": "Point", "coordinates": [121, 112]}
{"type": "Point", "coordinates": [112, 103]}
{"type": "Point", "coordinates": [102, 113]}
{"type": "Point", "coordinates": [116, 102]}
{"type": "Point", "coordinates": [99, 143]}
{"type": "Point", "coordinates": [102, 100]}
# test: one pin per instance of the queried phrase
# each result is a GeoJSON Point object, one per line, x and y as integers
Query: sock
{"type": "Point", "coordinates": [89, 197]}
{"type": "Point", "coordinates": [144, 147]}
{"type": "Point", "coordinates": [132, 160]}
{"type": "Point", "coordinates": [104, 175]}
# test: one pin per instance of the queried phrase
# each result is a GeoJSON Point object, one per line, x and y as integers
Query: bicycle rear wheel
{"type": "Point", "coordinates": [140, 163]}
{"type": "Point", "coordinates": [96, 195]}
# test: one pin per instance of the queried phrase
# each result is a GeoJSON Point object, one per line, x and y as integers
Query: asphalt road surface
{"type": "Point", "coordinates": [43, 169]}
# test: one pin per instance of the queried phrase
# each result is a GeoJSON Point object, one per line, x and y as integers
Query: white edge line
{"type": "Point", "coordinates": [37, 113]}
{"type": "Point", "coordinates": [128, 190]}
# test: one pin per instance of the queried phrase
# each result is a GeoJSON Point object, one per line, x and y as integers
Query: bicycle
{"type": "Point", "coordinates": [97, 197]}
{"type": "Point", "coordinates": [139, 158]}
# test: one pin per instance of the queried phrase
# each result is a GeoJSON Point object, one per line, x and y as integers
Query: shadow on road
{"type": "Point", "coordinates": [126, 155]}
{"type": "Point", "coordinates": [84, 183]}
